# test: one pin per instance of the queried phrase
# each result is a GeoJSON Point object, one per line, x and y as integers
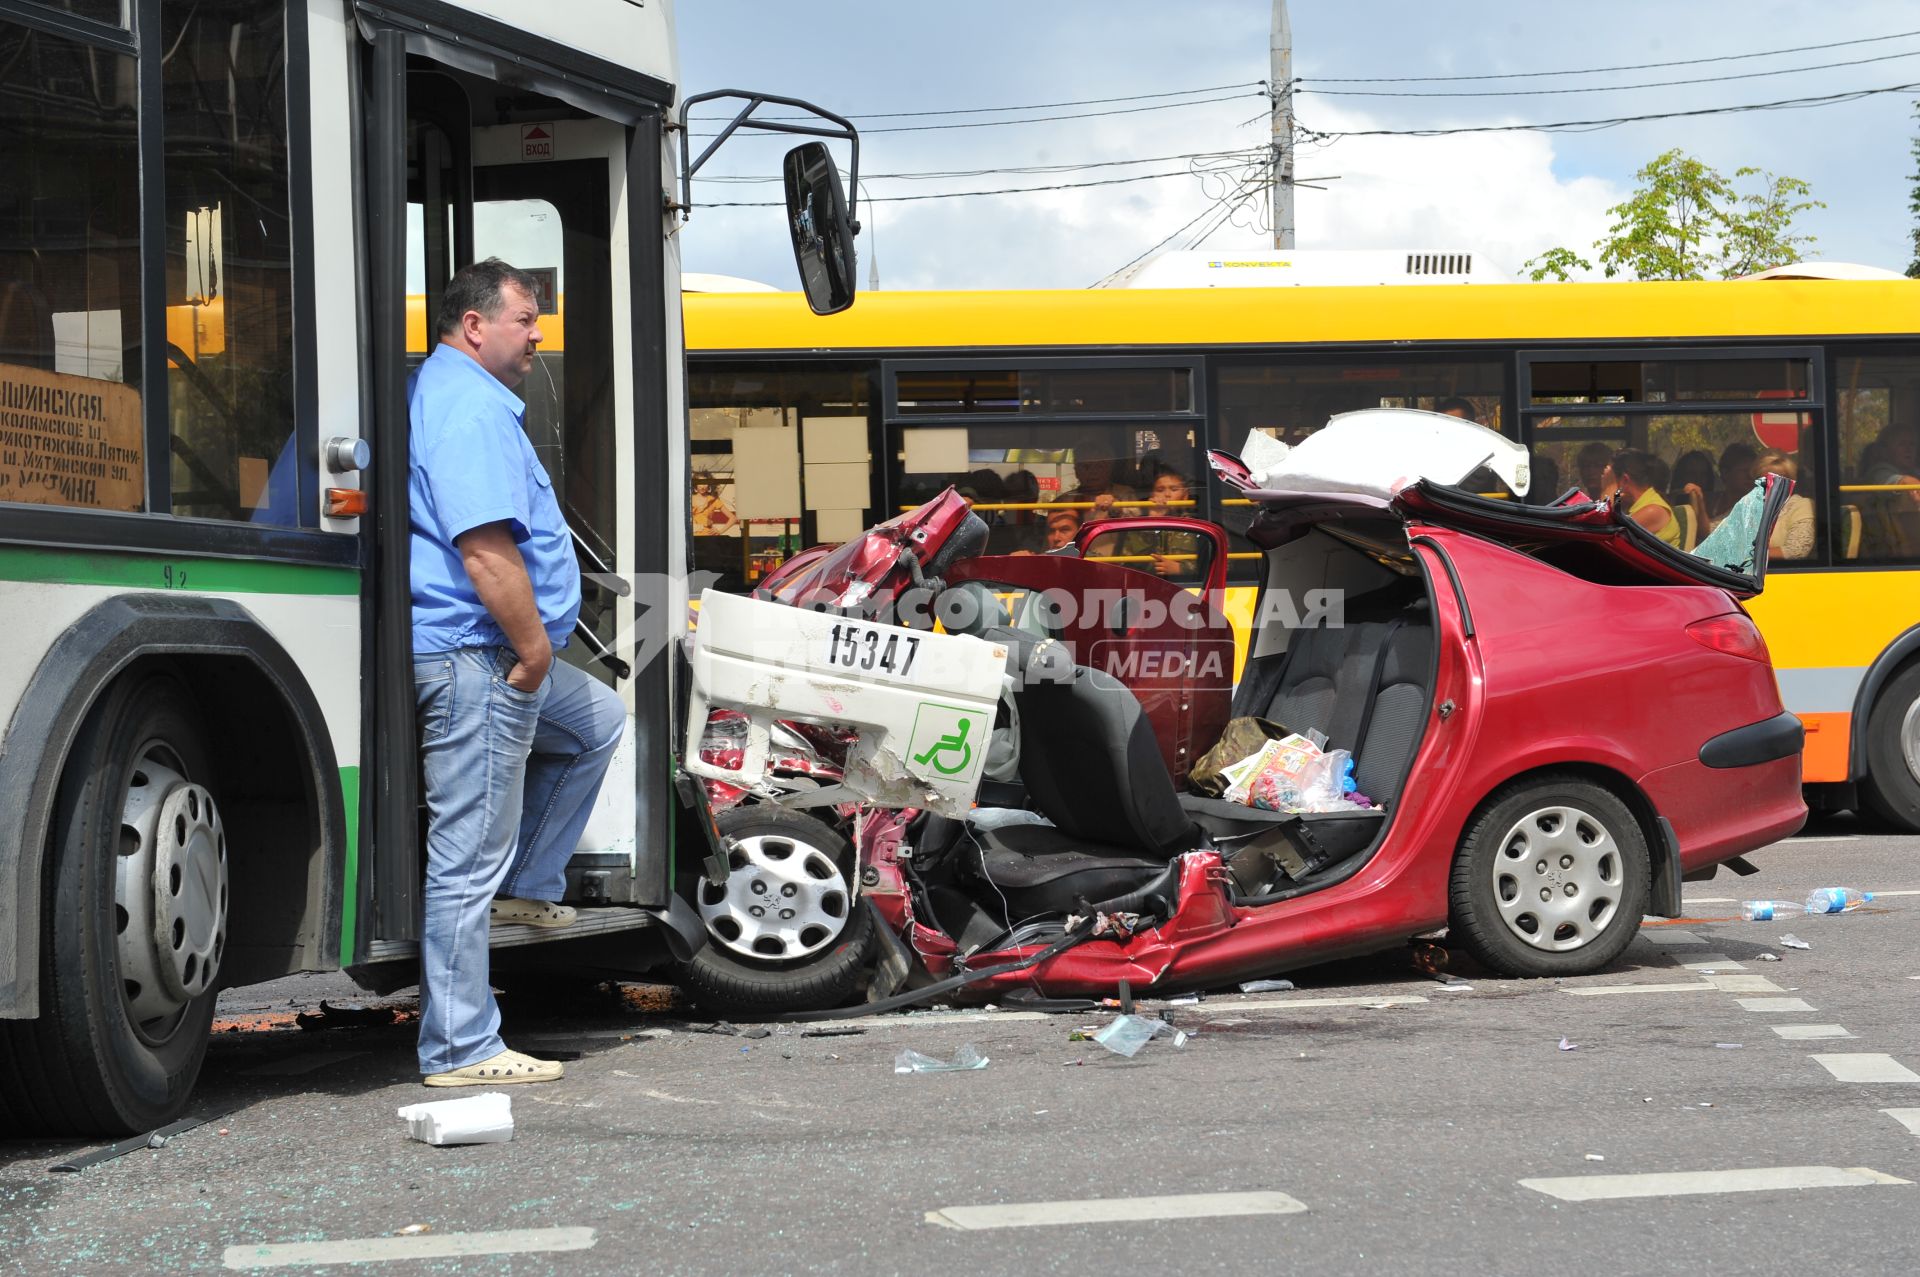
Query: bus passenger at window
{"type": "Point", "coordinates": [1093, 479]}
{"type": "Point", "coordinates": [1633, 474]}
{"type": "Point", "coordinates": [514, 744]}
{"type": "Point", "coordinates": [1893, 457]}
{"type": "Point", "coordinates": [1062, 525]}
{"type": "Point", "coordinates": [1694, 477]}
{"type": "Point", "coordinates": [1737, 473]}
{"type": "Point", "coordinates": [1458, 407]}
{"type": "Point", "coordinates": [1590, 463]}
{"type": "Point", "coordinates": [1174, 553]}
{"type": "Point", "coordinates": [1793, 531]}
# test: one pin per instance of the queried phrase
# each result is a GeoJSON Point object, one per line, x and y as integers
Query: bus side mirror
{"type": "Point", "coordinates": [822, 229]}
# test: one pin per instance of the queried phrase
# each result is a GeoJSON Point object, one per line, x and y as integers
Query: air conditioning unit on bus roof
{"type": "Point", "coordinates": [1314, 267]}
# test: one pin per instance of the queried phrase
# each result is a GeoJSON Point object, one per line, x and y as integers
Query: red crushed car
{"type": "Point", "coordinates": [1554, 717]}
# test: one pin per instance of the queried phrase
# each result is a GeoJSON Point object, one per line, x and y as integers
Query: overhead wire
{"type": "Point", "coordinates": [1636, 66]}
{"type": "Point", "coordinates": [1603, 88]}
{"type": "Point", "coordinates": [1032, 106]}
{"type": "Point", "coordinates": [1031, 169]}
{"type": "Point", "coordinates": [952, 195]}
{"type": "Point", "coordinates": [1557, 126]}
{"type": "Point", "coordinates": [1038, 119]}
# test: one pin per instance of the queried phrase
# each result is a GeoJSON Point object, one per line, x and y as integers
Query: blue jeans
{"type": "Point", "coordinates": [510, 781]}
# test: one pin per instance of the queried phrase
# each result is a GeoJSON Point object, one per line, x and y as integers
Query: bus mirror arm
{"type": "Point", "coordinates": [841, 129]}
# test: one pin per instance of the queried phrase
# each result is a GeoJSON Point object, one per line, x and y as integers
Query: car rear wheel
{"type": "Point", "coordinates": [1892, 784]}
{"type": "Point", "coordinates": [1550, 879]}
{"type": "Point", "coordinates": [133, 925]}
{"type": "Point", "coordinates": [787, 931]}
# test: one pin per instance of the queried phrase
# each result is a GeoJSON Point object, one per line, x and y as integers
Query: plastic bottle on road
{"type": "Point", "coordinates": [1767, 910]}
{"type": "Point", "coordinates": [1837, 900]}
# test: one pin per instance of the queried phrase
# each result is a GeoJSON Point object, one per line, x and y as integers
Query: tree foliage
{"type": "Point", "coordinates": [1686, 220]}
{"type": "Point", "coordinates": [1913, 267]}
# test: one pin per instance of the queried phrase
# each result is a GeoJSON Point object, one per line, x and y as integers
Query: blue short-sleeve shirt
{"type": "Point", "coordinates": [472, 464]}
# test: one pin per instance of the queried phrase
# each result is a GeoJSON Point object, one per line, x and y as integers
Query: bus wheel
{"type": "Point", "coordinates": [786, 932]}
{"type": "Point", "coordinates": [134, 924]}
{"type": "Point", "coordinates": [1892, 785]}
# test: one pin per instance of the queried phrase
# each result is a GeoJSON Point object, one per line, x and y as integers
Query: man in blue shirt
{"type": "Point", "coordinates": [514, 744]}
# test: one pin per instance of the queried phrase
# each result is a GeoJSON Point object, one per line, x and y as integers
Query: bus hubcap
{"type": "Point", "coordinates": [170, 890]}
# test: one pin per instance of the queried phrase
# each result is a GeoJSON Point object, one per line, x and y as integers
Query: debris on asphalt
{"type": "Point", "coordinates": [1185, 1000]}
{"type": "Point", "coordinates": [1266, 986]}
{"type": "Point", "coordinates": [1596, 1157]}
{"type": "Point", "coordinates": [844, 1031]}
{"type": "Point", "coordinates": [1791, 941]}
{"type": "Point", "coordinates": [1567, 1046]}
{"type": "Point", "coordinates": [413, 1230]}
{"type": "Point", "coordinates": [132, 1144]}
{"type": "Point", "coordinates": [967, 1057]}
{"type": "Point", "coordinates": [348, 1015]}
{"type": "Point", "coordinates": [1429, 958]}
{"type": "Point", "coordinates": [1128, 1033]}
{"type": "Point", "coordinates": [718, 1026]}
{"type": "Point", "coordinates": [1729, 1046]}
{"type": "Point", "coordinates": [486, 1118]}
{"type": "Point", "coordinates": [756, 1033]}
{"type": "Point", "coordinates": [1769, 957]}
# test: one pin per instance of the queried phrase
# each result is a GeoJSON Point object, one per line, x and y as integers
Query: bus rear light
{"type": "Point", "coordinates": [1733, 634]}
{"type": "Point", "coordinates": [346, 503]}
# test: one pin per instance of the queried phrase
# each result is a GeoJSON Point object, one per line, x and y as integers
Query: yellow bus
{"type": "Point", "coordinates": [805, 430]}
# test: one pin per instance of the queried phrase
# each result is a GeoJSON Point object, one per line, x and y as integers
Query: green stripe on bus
{"type": "Point", "coordinates": [350, 881]}
{"type": "Point", "coordinates": [173, 572]}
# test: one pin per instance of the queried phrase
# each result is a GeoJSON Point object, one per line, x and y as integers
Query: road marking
{"type": "Point", "coordinates": [1825, 838]}
{"type": "Point", "coordinates": [1709, 900]}
{"type": "Point", "coordinates": [1714, 962]}
{"type": "Point", "coordinates": [296, 1065]}
{"type": "Point", "coordinates": [1866, 1066]}
{"type": "Point", "coordinates": [1909, 1118]}
{"type": "Point", "coordinates": [1805, 1032]}
{"type": "Point", "coordinates": [1287, 1004]}
{"type": "Point", "coordinates": [1593, 1188]}
{"type": "Point", "coordinates": [360, 1250]}
{"type": "Point", "coordinates": [1671, 937]}
{"type": "Point", "coordinates": [1744, 984]}
{"type": "Point", "coordinates": [1596, 990]}
{"type": "Point", "coordinates": [1774, 1004]}
{"type": "Point", "coordinates": [1878, 894]}
{"type": "Point", "coordinates": [1115, 1210]}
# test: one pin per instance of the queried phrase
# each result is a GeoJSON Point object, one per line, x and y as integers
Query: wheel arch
{"type": "Point", "coordinates": [238, 673]}
{"type": "Point", "coordinates": [1903, 651]}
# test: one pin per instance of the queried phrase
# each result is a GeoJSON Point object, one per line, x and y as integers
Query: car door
{"type": "Point", "coordinates": [1164, 637]}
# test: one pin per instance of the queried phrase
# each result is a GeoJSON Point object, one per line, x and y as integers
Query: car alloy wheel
{"type": "Point", "coordinates": [784, 899]}
{"type": "Point", "coordinates": [1558, 878]}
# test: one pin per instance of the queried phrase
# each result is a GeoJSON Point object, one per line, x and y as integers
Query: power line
{"type": "Point", "coordinates": [1784, 104]}
{"type": "Point", "coordinates": [1637, 66]}
{"type": "Point", "coordinates": [1032, 169]}
{"type": "Point", "coordinates": [1040, 119]}
{"type": "Point", "coordinates": [1231, 196]}
{"type": "Point", "coordinates": [956, 195]}
{"type": "Point", "coordinates": [1033, 106]}
{"type": "Point", "coordinates": [1603, 88]}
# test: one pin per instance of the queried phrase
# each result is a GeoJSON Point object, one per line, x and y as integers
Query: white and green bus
{"type": "Point", "coordinates": [211, 217]}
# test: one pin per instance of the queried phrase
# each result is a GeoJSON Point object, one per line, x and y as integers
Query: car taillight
{"type": "Point", "coordinates": [1733, 634]}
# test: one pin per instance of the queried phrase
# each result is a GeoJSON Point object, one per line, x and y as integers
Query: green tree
{"type": "Point", "coordinates": [1913, 267]}
{"type": "Point", "coordinates": [1686, 220]}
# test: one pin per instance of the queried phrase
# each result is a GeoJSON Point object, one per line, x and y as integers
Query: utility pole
{"type": "Point", "coordinates": [1280, 190]}
{"type": "Point", "coordinates": [873, 249]}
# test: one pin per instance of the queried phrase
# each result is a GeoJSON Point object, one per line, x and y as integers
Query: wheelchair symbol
{"type": "Point", "coordinates": [957, 741]}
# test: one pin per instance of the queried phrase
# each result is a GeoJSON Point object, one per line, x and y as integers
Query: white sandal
{"type": "Point", "coordinates": [532, 913]}
{"type": "Point", "coordinates": [503, 1069]}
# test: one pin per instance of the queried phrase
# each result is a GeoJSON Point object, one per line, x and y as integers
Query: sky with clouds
{"type": "Point", "coordinates": [1506, 196]}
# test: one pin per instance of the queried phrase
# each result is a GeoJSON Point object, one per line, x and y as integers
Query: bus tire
{"type": "Point", "coordinates": [131, 795]}
{"type": "Point", "coordinates": [723, 978]}
{"type": "Point", "coordinates": [1892, 783]}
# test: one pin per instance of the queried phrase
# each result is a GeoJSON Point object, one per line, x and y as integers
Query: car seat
{"type": "Point", "coordinates": [1092, 766]}
{"type": "Point", "coordinates": [1366, 687]}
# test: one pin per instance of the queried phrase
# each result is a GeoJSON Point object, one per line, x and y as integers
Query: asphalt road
{"type": "Point", "coordinates": [1387, 1124]}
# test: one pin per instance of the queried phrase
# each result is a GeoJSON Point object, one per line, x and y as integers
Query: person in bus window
{"type": "Point", "coordinates": [1174, 554]}
{"type": "Point", "coordinates": [514, 744]}
{"type": "Point", "coordinates": [1458, 407]}
{"type": "Point", "coordinates": [1892, 528]}
{"type": "Point", "coordinates": [1093, 481]}
{"type": "Point", "coordinates": [1590, 463]}
{"type": "Point", "coordinates": [1062, 525]}
{"type": "Point", "coordinates": [1633, 474]}
{"type": "Point", "coordinates": [1893, 458]}
{"type": "Point", "coordinates": [1737, 473]}
{"type": "Point", "coordinates": [1694, 477]}
{"type": "Point", "coordinates": [1793, 531]}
